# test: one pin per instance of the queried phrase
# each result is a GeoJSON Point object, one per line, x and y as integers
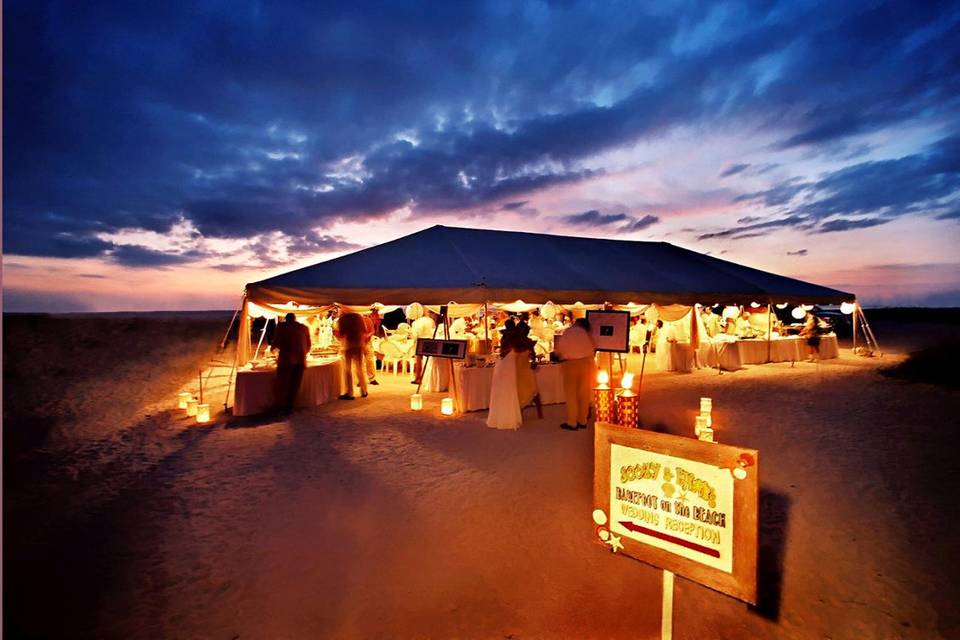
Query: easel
{"type": "Point", "coordinates": [453, 378]}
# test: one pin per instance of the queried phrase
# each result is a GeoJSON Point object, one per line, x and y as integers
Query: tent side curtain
{"type": "Point", "coordinates": [243, 335]}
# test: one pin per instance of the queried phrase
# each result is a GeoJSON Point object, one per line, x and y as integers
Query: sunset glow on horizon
{"type": "Point", "coordinates": [821, 144]}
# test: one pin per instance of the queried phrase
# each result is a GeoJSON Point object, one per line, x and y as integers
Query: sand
{"type": "Point", "coordinates": [366, 520]}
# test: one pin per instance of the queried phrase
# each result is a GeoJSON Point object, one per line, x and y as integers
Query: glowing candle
{"type": "Point", "coordinates": [603, 379]}
{"type": "Point", "coordinates": [627, 382]}
{"type": "Point", "coordinates": [182, 399]}
{"type": "Point", "coordinates": [203, 413]}
{"type": "Point", "coordinates": [191, 407]}
{"type": "Point", "coordinates": [416, 402]}
{"type": "Point", "coordinates": [446, 406]}
{"type": "Point", "coordinates": [706, 405]}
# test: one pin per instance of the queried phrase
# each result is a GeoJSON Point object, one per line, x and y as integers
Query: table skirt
{"type": "Point", "coordinates": [255, 388]}
{"type": "Point", "coordinates": [474, 384]}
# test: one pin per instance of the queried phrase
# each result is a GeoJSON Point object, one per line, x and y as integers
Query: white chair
{"type": "Point", "coordinates": [393, 356]}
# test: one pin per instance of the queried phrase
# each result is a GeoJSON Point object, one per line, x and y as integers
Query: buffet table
{"type": "Point", "coordinates": [255, 391]}
{"type": "Point", "coordinates": [473, 385]}
{"type": "Point", "coordinates": [733, 354]}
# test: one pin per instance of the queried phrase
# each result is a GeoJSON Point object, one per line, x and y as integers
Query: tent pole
{"type": "Point", "coordinates": [223, 343]}
{"type": "Point", "coordinates": [769, 326]}
{"type": "Point", "coordinates": [856, 307]}
{"type": "Point", "coordinates": [263, 333]}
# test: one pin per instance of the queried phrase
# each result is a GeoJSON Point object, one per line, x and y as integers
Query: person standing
{"type": "Point", "coordinates": [291, 341]}
{"type": "Point", "coordinates": [423, 327]}
{"type": "Point", "coordinates": [369, 358]}
{"type": "Point", "coordinates": [576, 351]}
{"type": "Point", "coordinates": [811, 331]}
{"type": "Point", "coordinates": [351, 332]}
{"type": "Point", "coordinates": [711, 322]}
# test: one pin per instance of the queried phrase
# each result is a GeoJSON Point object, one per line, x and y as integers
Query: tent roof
{"type": "Point", "coordinates": [443, 264]}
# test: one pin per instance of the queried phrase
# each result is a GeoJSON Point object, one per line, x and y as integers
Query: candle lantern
{"type": "Point", "coordinates": [192, 407]}
{"type": "Point", "coordinates": [701, 425]}
{"type": "Point", "coordinates": [603, 398]}
{"type": "Point", "coordinates": [706, 434]}
{"type": "Point", "coordinates": [627, 403]}
{"type": "Point", "coordinates": [416, 402]}
{"type": "Point", "coordinates": [203, 413]}
{"type": "Point", "coordinates": [706, 405]}
{"type": "Point", "coordinates": [446, 406]}
{"type": "Point", "coordinates": [182, 399]}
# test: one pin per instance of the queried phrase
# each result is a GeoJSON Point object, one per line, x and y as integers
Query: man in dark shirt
{"type": "Point", "coordinates": [291, 341]}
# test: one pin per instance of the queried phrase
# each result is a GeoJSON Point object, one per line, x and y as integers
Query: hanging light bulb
{"type": "Point", "coordinates": [782, 305]}
{"type": "Point", "coordinates": [848, 307]}
{"type": "Point", "coordinates": [798, 313]}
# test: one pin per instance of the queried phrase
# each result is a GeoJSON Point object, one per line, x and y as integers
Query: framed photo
{"type": "Point", "coordinates": [610, 330]}
{"type": "Point", "coordinates": [453, 349]}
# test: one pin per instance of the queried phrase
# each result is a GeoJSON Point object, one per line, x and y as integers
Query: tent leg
{"type": "Point", "coordinates": [263, 333]}
{"type": "Point", "coordinates": [223, 343]}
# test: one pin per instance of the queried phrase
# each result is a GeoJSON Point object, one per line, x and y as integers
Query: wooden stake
{"type": "Point", "coordinates": [666, 619]}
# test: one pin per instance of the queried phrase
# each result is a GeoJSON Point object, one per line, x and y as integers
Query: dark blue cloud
{"type": "Point", "coordinates": [594, 218]}
{"type": "Point", "coordinates": [285, 117]}
{"type": "Point", "coordinates": [639, 224]}
{"type": "Point", "coordinates": [733, 170]}
{"type": "Point", "coordinates": [868, 194]}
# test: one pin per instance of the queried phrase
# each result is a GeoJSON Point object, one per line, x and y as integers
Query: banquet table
{"type": "Point", "coordinates": [474, 383]}
{"type": "Point", "coordinates": [255, 390]}
{"type": "Point", "coordinates": [732, 354]}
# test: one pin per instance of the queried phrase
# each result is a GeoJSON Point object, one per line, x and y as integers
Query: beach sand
{"type": "Point", "coordinates": [366, 520]}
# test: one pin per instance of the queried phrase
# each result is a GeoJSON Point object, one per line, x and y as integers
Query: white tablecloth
{"type": "Point", "coordinates": [473, 385]}
{"type": "Point", "coordinates": [436, 374]}
{"type": "Point", "coordinates": [786, 349]}
{"type": "Point", "coordinates": [255, 387]}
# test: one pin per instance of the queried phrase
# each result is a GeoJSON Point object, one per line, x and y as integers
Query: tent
{"type": "Point", "coordinates": [443, 264]}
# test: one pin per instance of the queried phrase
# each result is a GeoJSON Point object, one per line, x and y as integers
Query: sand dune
{"type": "Point", "coordinates": [367, 520]}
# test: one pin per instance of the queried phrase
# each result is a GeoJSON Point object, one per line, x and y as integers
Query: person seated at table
{"type": "Point", "coordinates": [743, 327]}
{"type": "Point", "coordinates": [731, 327]}
{"type": "Point", "coordinates": [458, 329]}
{"type": "Point", "coordinates": [638, 333]}
{"type": "Point", "coordinates": [352, 334]}
{"type": "Point", "coordinates": [291, 341]}
{"type": "Point", "coordinates": [711, 321]}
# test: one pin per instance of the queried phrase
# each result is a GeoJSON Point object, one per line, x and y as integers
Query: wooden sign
{"type": "Point", "coordinates": [683, 505]}
{"type": "Point", "coordinates": [453, 349]}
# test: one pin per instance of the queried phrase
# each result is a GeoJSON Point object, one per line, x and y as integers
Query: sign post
{"type": "Point", "coordinates": [686, 506]}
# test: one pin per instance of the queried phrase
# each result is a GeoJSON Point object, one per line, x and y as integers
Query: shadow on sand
{"type": "Point", "coordinates": [774, 519]}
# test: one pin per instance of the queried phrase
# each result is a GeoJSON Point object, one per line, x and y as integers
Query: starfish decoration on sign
{"type": "Point", "coordinates": [614, 543]}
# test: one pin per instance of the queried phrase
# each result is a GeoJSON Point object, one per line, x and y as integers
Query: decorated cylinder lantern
{"type": "Point", "coordinates": [182, 399]}
{"type": "Point", "coordinates": [203, 413]}
{"type": "Point", "coordinates": [628, 404]}
{"type": "Point", "coordinates": [192, 407]}
{"type": "Point", "coordinates": [603, 398]}
{"type": "Point", "coordinates": [416, 402]}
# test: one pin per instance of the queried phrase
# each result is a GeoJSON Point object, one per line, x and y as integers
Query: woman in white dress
{"type": "Point", "coordinates": [514, 385]}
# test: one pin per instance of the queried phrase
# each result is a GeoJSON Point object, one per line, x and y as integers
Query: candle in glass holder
{"type": "Point", "coordinates": [446, 406]}
{"type": "Point", "coordinates": [192, 407]}
{"type": "Point", "coordinates": [182, 399]}
{"type": "Point", "coordinates": [706, 434]}
{"type": "Point", "coordinates": [203, 413]}
{"type": "Point", "coordinates": [416, 402]}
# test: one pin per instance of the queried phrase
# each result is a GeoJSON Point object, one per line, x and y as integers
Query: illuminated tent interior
{"type": "Point", "coordinates": [472, 267]}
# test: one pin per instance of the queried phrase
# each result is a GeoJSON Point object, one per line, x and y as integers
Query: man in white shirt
{"type": "Point", "coordinates": [576, 350]}
{"type": "Point", "coordinates": [422, 327]}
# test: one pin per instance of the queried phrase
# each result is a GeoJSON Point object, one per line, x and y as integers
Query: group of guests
{"type": "Point", "coordinates": [514, 385]}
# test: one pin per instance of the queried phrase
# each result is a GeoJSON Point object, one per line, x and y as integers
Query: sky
{"type": "Point", "coordinates": [162, 155]}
